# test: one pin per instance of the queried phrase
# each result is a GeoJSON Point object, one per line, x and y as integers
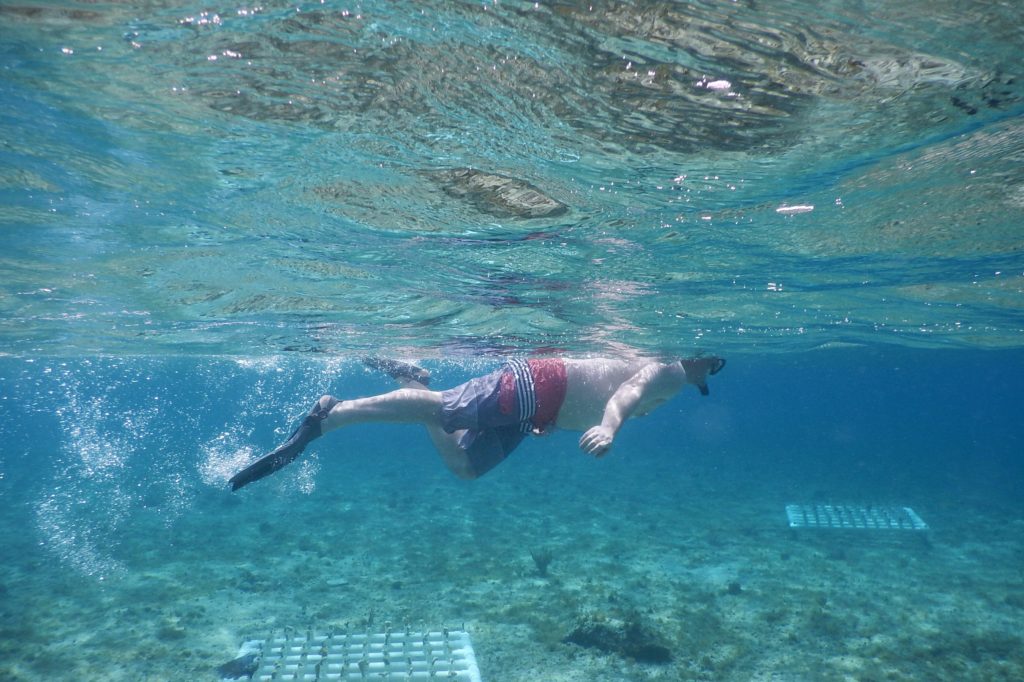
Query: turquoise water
{"type": "Point", "coordinates": [208, 214]}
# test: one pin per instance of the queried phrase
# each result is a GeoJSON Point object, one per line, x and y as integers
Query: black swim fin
{"type": "Point", "coordinates": [398, 370]}
{"type": "Point", "coordinates": [307, 431]}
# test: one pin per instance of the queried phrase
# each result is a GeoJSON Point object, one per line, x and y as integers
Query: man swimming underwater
{"type": "Point", "coordinates": [477, 424]}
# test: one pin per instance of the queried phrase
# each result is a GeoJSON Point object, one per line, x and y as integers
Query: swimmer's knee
{"type": "Point", "coordinates": [465, 473]}
{"type": "Point", "coordinates": [456, 459]}
{"type": "Point", "coordinates": [462, 467]}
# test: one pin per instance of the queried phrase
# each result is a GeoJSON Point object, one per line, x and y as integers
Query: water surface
{"type": "Point", "coordinates": [475, 177]}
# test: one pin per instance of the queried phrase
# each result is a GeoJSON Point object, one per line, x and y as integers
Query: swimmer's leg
{"type": "Point", "coordinates": [446, 444]}
{"type": "Point", "coordinates": [468, 454]}
{"type": "Point", "coordinates": [403, 405]}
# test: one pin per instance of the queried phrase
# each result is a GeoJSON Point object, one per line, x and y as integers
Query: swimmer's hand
{"type": "Point", "coordinates": [597, 441]}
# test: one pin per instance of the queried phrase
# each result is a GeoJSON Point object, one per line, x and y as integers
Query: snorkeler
{"type": "Point", "coordinates": [476, 425]}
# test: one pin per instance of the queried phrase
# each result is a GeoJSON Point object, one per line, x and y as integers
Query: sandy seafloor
{"type": "Point", "coordinates": [682, 531]}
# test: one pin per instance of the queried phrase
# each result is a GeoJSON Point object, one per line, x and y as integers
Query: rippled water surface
{"type": "Point", "coordinates": [464, 177]}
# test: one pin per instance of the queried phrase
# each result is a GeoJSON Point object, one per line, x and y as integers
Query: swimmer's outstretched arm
{"type": "Point", "coordinates": [656, 382]}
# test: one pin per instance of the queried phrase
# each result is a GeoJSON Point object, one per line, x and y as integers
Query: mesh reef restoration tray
{"type": "Point", "coordinates": [853, 517]}
{"type": "Point", "coordinates": [389, 656]}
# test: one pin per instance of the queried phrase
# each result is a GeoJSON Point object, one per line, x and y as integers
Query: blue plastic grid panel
{"type": "Point", "coordinates": [393, 656]}
{"type": "Point", "coordinates": [848, 516]}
